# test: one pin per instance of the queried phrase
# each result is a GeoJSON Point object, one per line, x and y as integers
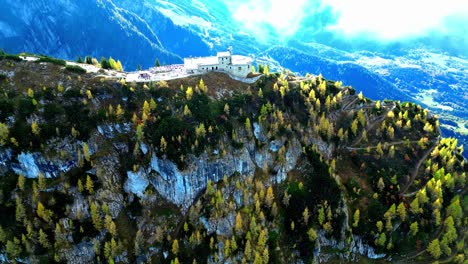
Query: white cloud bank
{"type": "Point", "coordinates": [379, 19]}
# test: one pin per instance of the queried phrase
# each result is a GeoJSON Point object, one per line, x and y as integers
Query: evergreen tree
{"type": "Point", "coordinates": [356, 218]}
{"type": "Point", "coordinates": [269, 198]}
{"type": "Point", "coordinates": [88, 60]}
{"type": "Point", "coordinates": [139, 242]}
{"type": "Point", "coordinates": [43, 239]}
{"type": "Point", "coordinates": [312, 234]}
{"type": "Point", "coordinates": [86, 152]}
{"type": "Point", "coordinates": [175, 247]}
{"type": "Point", "coordinates": [402, 211]}
{"type": "Point", "coordinates": [104, 63]}
{"type": "Point", "coordinates": [434, 249]}
{"type": "Point", "coordinates": [95, 216]}
{"type": "Point", "coordinates": [414, 228]}
{"type": "Point", "coordinates": [239, 223]}
{"type": "Point", "coordinates": [110, 225]}
{"type": "Point", "coordinates": [20, 210]}
{"type": "Point", "coordinates": [21, 181]}
{"type": "Point", "coordinates": [4, 131]}
{"type": "Point", "coordinates": [89, 184]}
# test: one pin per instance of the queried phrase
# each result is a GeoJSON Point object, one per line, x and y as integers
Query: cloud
{"type": "Point", "coordinates": [263, 17]}
{"type": "Point", "coordinates": [396, 19]}
{"type": "Point", "coordinates": [383, 20]}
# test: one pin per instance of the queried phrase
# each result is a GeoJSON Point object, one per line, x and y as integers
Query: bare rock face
{"type": "Point", "coordinates": [80, 208]}
{"type": "Point", "coordinates": [5, 158]}
{"type": "Point", "coordinates": [110, 193]}
{"type": "Point", "coordinates": [107, 171]}
{"type": "Point", "coordinates": [181, 187]}
{"type": "Point", "coordinates": [352, 250]}
{"type": "Point", "coordinates": [82, 253]}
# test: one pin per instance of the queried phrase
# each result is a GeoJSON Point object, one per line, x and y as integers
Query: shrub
{"type": "Point", "coordinates": [75, 69]}
{"type": "Point", "coordinates": [52, 60]}
{"type": "Point", "coordinates": [10, 57]}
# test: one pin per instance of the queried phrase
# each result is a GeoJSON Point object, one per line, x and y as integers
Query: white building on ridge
{"type": "Point", "coordinates": [236, 65]}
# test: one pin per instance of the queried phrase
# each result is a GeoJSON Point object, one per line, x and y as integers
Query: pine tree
{"type": "Point", "coordinates": [139, 133]}
{"type": "Point", "coordinates": [86, 152]}
{"type": "Point", "coordinates": [43, 239]}
{"type": "Point", "coordinates": [119, 112]}
{"type": "Point", "coordinates": [312, 234]}
{"type": "Point", "coordinates": [202, 86]}
{"type": "Point", "coordinates": [110, 225]}
{"type": "Point", "coordinates": [21, 181]}
{"type": "Point", "coordinates": [3, 134]}
{"type": "Point", "coordinates": [189, 93]}
{"type": "Point", "coordinates": [119, 66]}
{"type": "Point", "coordinates": [139, 242]}
{"type": "Point", "coordinates": [112, 63]}
{"type": "Point", "coordinates": [35, 128]}
{"type": "Point", "coordinates": [187, 111]}
{"type": "Point", "coordinates": [360, 96]}
{"type": "Point", "coordinates": [381, 184]}
{"type": "Point", "coordinates": [80, 186]}
{"type": "Point", "coordinates": [20, 210]}
{"type": "Point", "coordinates": [402, 211]}
{"type": "Point", "coordinates": [13, 248]}
{"type": "Point", "coordinates": [354, 126]}
{"type": "Point", "coordinates": [89, 184]}
{"type": "Point", "coordinates": [434, 249]}
{"type": "Point", "coordinates": [248, 250]}
{"type": "Point", "coordinates": [227, 248]}
{"type": "Point", "coordinates": [306, 216]}
{"type": "Point", "coordinates": [265, 256]}
{"type": "Point", "coordinates": [262, 239]}
{"type": "Point", "coordinates": [321, 216]}
{"type": "Point", "coordinates": [414, 228]}
{"type": "Point", "coordinates": [381, 240]}
{"type": "Point", "coordinates": [356, 218]}
{"type": "Point", "coordinates": [239, 223]}
{"type": "Point", "coordinates": [379, 226]}
{"type": "Point", "coordinates": [269, 198]}
{"type": "Point", "coordinates": [146, 108]}
{"type": "Point", "coordinates": [175, 247]}
{"type": "Point", "coordinates": [95, 216]}
{"type": "Point", "coordinates": [414, 206]}
{"type": "Point", "coordinates": [3, 235]}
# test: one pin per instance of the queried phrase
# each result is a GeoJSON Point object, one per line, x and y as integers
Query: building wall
{"type": "Point", "coordinates": [224, 65]}
{"type": "Point", "coordinates": [240, 70]}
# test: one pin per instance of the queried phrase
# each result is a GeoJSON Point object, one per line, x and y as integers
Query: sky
{"type": "Point", "coordinates": [381, 20]}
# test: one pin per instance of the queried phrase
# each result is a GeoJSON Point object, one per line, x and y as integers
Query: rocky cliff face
{"type": "Point", "coordinates": [182, 187]}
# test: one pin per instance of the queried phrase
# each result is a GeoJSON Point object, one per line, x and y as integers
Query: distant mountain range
{"type": "Point", "coordinates": [139, 32]}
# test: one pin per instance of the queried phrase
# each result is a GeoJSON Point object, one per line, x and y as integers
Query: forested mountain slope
{"type": "Point", "coordinates": [210, 169]}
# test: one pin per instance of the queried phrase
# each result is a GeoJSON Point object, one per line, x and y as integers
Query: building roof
{"type": "Point", "coordinates": [192, 63]}
{"type": "Point", "coordinates": [240, 60]}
